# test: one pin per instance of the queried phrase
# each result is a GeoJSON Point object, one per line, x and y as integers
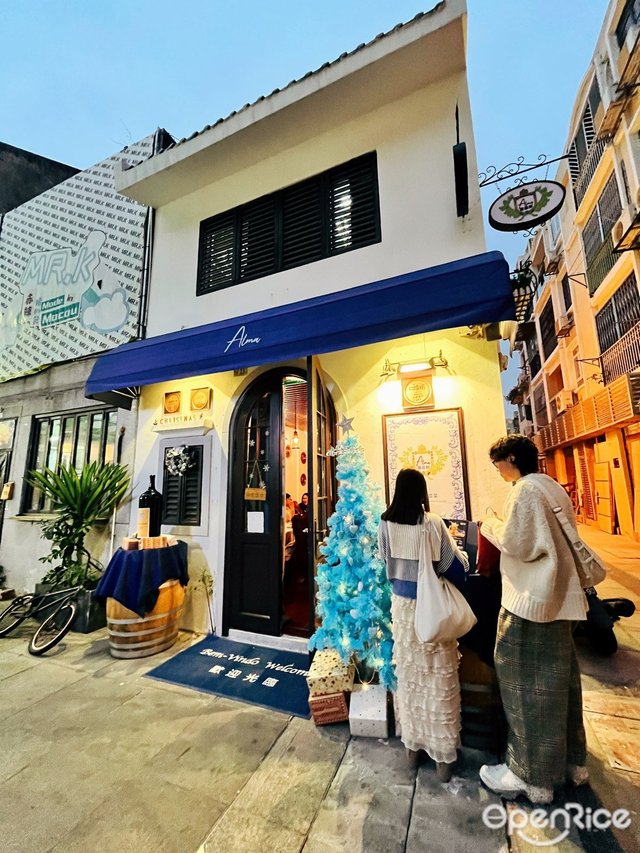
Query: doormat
{"type": "Point", "coordinates": [270, 678]}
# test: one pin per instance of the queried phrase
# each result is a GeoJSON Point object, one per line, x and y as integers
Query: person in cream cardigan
{"type": "Point", "coordinates": [535, 657]}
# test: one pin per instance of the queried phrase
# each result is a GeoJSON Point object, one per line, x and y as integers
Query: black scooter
{"type": "Point", "coordinates": [602, 615]}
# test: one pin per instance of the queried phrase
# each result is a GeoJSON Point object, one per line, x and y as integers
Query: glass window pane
{"type": "Point", "coordinates": [54, 443]}
{"type": "Point", "coordinates": [110, 446]}
{"type": "Point", "coordinates": [67, 442]}
{"type": "Point", "coordinates": [82, 436]}
{"type": "Point", "coordinates": [96, 437]}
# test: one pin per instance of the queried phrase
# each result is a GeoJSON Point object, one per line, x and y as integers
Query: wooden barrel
{"type": "Point", "coordinates": [483, 722]}
{"type": "Point", "coordinates": [133, 636]}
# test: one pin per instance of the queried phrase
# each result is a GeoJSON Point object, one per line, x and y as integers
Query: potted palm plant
{"type": "Point", "coordinates": [80, 502]}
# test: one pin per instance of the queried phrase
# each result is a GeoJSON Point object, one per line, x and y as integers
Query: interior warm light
{"type": "Point", "coordinates": [295, 440]}
{"type": "Point", "coordinates": [412, 368]}
{"type": "Point", "coordinates": [389, 395]}
{"type": "Point", "coordinates": [391, 368]}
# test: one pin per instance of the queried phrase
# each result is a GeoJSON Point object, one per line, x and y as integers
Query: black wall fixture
{"type": "Point", "coordinates": [460, 172]}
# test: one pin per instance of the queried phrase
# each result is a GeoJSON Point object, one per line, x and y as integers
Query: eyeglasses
{"type": "Point", "coordinates": [496, 462]}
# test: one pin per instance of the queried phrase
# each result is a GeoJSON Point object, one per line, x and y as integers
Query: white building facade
{"type": "Point", "coordinates": [307, 248]}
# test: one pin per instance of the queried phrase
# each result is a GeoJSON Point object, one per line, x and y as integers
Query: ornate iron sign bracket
{"type": "Point", "coordinates": [491, 175]}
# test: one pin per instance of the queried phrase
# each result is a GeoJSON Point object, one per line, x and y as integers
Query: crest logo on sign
{"type": "Point", "coordinates": [525, 206]}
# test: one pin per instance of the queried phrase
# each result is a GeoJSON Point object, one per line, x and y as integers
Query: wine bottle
{"type": "Point", "coordinates": [150, 500]}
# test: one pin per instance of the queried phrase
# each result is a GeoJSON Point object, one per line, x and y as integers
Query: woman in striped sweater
{"type": "Point", "coordinates": [428, 693]}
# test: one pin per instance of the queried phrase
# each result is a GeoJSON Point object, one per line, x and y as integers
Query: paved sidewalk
{"type": "Point", "coordinates": [95, 757]}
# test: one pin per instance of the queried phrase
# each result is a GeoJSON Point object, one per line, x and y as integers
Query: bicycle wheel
{"type": "Point", "coordinates": [15, 613]}
{"type": "Point", "coordinates": [53, 629]}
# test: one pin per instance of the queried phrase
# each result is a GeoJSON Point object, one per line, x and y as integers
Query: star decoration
{"type": "Point", "coordinates": [262, 484]}
{"type": "Point", "coordinates": [252, 443]}
{"type": "Point", "coordinates": [345, 424]}
{"type": "Point", "coordinates": [266, 467]}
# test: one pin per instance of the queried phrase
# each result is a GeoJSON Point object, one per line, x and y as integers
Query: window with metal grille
{"type": "Point", "coordinates": [566, 292]}
{"type": "Point", "coordinates": [603, 218]}
{"type": "Point", "coordinates": [540, 406]}
{"type": "Point", "coordinates": [334, 212]}
{"type": "Point", "coordinates": [630, 16]}
{"type": "Point", "coordinates": [585, 135]}
{"type": "Point", "coordinates": [182, 493]}
{"type": "Point", "coordinates": [533, 356]}
{"type": "Point", "coordinates": [548, 329]}
{"type": "Point", "coordinates": [619, 314]}
{"type": "Point", "coordinates": [72, 438]}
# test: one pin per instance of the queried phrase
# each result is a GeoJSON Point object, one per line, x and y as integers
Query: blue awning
{"type": "Point", "coordinates": [461, 293]}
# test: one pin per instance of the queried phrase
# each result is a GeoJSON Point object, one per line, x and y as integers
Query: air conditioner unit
{"type": "Point", "coordinates": [562, 401]}
{"type": "Point", "coordinates": [623, 223]}
{"type": "Point", "coordinates": [564, 324]}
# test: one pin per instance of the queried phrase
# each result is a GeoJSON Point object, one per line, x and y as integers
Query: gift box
{"type": "Point", "coordinates": [328, 674]}
{"type": "Point", "coordinates": [130, 543]}
{"type": "Point", "coordinates": [331, 708]}
{"type": "Point", "coordinates": [368, 712]}
{"type": "Point", "coordinates": [153, 542]}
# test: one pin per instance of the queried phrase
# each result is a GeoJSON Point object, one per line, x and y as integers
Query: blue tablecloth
{"type": "Point", "coordinates": [133, 578]}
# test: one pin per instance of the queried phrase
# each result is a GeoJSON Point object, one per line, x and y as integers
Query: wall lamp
{"type": "Point", "coordinates": [391, 368]}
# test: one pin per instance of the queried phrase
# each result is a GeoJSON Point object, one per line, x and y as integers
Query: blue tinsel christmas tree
{"type": "Point", "coordinates": [354, 595]}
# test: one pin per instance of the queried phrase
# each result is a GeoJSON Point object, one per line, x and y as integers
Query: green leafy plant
{"type": "Point", "coordinates": [80, 501]}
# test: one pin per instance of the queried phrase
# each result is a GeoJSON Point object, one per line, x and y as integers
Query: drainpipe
{"type": "Point", "coordinates": [159, 144]}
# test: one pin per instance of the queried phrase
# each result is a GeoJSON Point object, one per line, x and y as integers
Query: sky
{"type": "Point", "coordinates": [81, 79]}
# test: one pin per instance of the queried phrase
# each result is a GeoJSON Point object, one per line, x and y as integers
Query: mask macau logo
{"type": "Point", "coordinates": [552, 825]}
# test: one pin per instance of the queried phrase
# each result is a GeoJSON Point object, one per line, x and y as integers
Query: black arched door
{"type": "Point", "coordinates": [253, 575]}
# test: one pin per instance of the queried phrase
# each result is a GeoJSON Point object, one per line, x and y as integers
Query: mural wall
{"type": "Point", "coordinates": [70, 269]}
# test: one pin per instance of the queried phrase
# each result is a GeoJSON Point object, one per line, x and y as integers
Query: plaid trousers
{"type": "Point", "coordinates": [539, 682]}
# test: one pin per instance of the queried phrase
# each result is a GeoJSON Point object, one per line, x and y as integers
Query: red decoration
{"type": "Point", "coordinates": [303, 457]}
{"type": "Point", "coordinates": [303, 479]}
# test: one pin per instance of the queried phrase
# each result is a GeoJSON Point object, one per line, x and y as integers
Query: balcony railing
{"type": "Point", "coordinates": [600, 264]}
{"type": "Point", "coordinates": [588, 169]}
{"type": "Point", "coordinates": [615, 405]}
{"type": "Point", "coordinates": [623, 356]}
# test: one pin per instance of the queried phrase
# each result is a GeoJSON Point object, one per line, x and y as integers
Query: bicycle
{"type": "Point", "coordinates": [54, 627]}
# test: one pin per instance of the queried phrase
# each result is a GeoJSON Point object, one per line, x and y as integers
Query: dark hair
{"type": "Point", "coordinates": [410, 498]}
{"type": "Point", "coordinates": [518, 449]}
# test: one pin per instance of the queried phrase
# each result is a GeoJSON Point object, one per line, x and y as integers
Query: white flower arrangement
{"type": "Point", "coordinates": [178, 459]}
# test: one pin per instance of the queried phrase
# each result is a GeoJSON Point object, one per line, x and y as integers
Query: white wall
{"type": "Point", "coordinates": [413, 138]}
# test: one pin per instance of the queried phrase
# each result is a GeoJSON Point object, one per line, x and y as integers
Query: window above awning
{"type": "Point", "coordinates": [467, 292]}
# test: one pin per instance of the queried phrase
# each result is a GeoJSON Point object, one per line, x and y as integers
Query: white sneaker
{"type": "Point", "coordinates": [505, 782]}
{"type": "Point", "coordinates": [578, 774]}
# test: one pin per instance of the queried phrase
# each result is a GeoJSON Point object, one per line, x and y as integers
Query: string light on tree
{"type": "Point", "coordinates": [354, 596]}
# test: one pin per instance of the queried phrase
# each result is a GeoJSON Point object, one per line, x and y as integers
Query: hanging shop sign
{"type": "Point", "coordinates": [256, 494]}
{"type": "Point", "coordinates": [525, 206]}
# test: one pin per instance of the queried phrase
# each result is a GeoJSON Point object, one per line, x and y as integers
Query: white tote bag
{"type": "Point", "coordinates": [442, 611]}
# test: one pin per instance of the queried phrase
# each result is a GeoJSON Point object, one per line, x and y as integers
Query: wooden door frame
{"type": "Point", "coordinates": [266, 381]}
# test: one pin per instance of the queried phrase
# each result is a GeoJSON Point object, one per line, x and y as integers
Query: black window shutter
{"type": "Point", "coordinates": [170, 496]}
{"type": "Point", "coordinates": [182, 495]}
{"type": "Point", "coordinates": [216, 259]}
{"type": "Point", "coordinates": [302, 220]}
{"type": "Point", "coordinates": [353, 205]}
{"type": "Point", "coordinates": [258, 238]}
{"type": "Point", "coordinates": [192, 489]}
{"type": "Point", "coordinates": [333, 212]}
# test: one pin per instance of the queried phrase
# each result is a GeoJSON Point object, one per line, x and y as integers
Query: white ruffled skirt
{"type": "Point", "coordinates": [428, 693]}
